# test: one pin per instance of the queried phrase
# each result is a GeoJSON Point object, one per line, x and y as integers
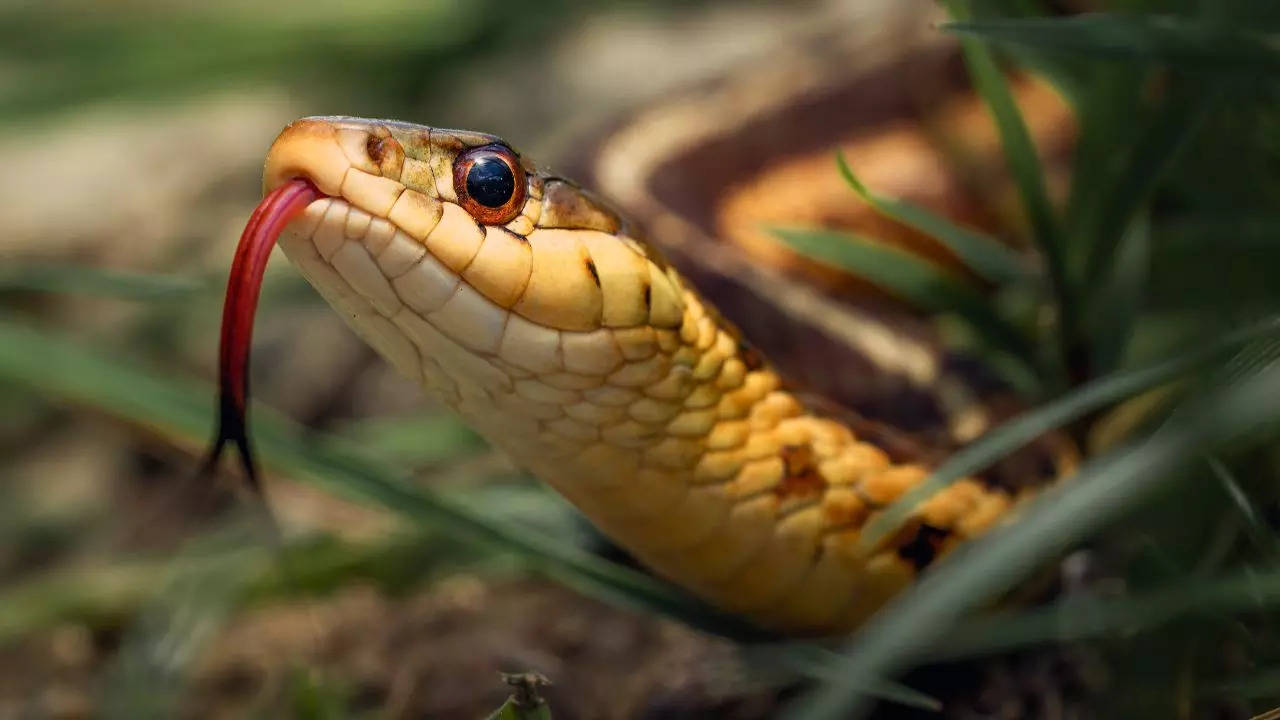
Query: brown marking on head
{"type": "Point", "coordinates": [924, 546]}
{"type": "Point", "coordinates": [648, 297]}
{"type": "Point", "coordinates": [385, 152]}
{"type": "Point", "coordinates": [595, 274]}
{"type": "Point", "coordinates": [800, 473]}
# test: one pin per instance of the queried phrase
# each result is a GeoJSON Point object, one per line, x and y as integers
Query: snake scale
{"type": "Point", "coordinates": [553, 328]}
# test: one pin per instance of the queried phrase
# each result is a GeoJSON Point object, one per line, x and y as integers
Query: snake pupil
{"type": "Point", "coordinates": [490, 182]}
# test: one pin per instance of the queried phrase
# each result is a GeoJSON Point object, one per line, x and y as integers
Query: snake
{"type": "Point", "coordinates": [553, 327]}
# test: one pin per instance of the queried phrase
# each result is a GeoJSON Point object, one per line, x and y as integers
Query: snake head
{"type": "Point", "coordinates": [444, 215]}
{"type": "Point", "coordinates": [463, 264]}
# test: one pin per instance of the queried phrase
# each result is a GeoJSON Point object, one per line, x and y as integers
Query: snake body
{"type": "Point", "coordinates": [568, 341]}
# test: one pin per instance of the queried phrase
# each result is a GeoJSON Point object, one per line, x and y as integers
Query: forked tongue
{"type": "Point", "coordinates": [243, 286]}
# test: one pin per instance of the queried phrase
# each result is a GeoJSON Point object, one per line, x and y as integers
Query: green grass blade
{"type": "Point", "coordinates": [985, 256]}
{"type": "Point", "coordinates": [1082, 618]}
{"type": "Point", "coordinates": [914, 279]}
{"type": "Point", "coordinates": [1181, 116]}
{"type": "Point", "coordinates": [1115, 306]}
{"type": "Point", "coordinates": [1184, 43]}
{"type": "Point", "coordinates": [1026, 427]}
{"type": "Point", "coordinates": [102, 596]}
{"type": "Point", "coordinates": [819, 662]}
{"type": "Point", "coordinates": [1105, 489]}
{"type": "Point", "coordinates": [1262, 536]}
{"type": "Point", "coordinates": [1024, 165]}
{"type": "Point", "coordinates": [85, 280]}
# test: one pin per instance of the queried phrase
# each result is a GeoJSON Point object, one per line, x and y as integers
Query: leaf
{"type": "Point", "coordinates": [984, 255]}
{"type": "Point", "coordinates": [1024, 165]}
{"type": "Point", "coordinates": [1181, 42]}
{"type": "Point", "coordinates": [525, 703]}
{"type": "Point", "coordinates": [920, 282]}
{"type": "Point", "coordinates": [1024, 428]}
{"type": "Point", "coordinates": [1105, 489]}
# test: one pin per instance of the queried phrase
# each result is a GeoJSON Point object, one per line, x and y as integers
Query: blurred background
{"type": "Point", "coordinates": [132, 140]}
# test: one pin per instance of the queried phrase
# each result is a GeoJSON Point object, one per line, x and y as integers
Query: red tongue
{"type": "Point", "coordinates": [269, 218]}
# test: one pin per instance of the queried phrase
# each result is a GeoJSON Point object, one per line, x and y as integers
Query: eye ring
{"type": "Point", "coordinates": [490, 184]}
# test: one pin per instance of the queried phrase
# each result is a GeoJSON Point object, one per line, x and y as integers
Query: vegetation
{"type": "Point", "coordinates": [1143, 317]}
{"type": "Point", "coordinates": [1168, 96]}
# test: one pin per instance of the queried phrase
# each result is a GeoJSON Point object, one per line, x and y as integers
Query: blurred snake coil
{"type": "Point", "coordinates": [538, 314]}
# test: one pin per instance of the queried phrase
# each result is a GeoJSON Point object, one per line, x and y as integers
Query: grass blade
{"type": "Point", "coordinates": [97, 281]}
{"type": "Point", "coordinates": [918, 281]}
{"type": "Point", "coordinates": [103, 596]}
{"type": "Point", "coordinates": [1024, 165]}
{"type": "Point", "coordinates": [1180, 118]}
{"type": "Point", "coordinates": [1105, 489]}
{"type": "Point", "coordinates": [984, 255]}
{"type": "Point", "coordinates": [1196, 46]}
{"type": "Point", "coordinates": [1078, 619]}
{"type": "Point", "coordinates": [1026, 427]}
{"type": "Point", "coordinates": [1116, 304]}
{"type": "Point", "coordinates": [1262, 536]}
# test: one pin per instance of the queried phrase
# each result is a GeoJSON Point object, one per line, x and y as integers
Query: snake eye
{"type": "Point", "coordinates": [490, 184]}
